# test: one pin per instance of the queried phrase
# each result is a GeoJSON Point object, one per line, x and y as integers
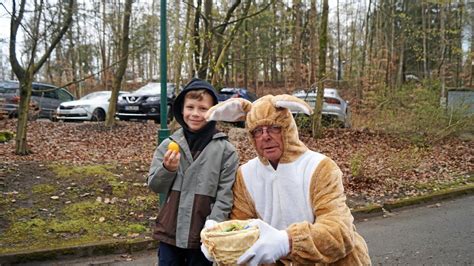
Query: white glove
{"type": "Point", "coordinates": [270, 246]}
{"type": "Point", "coordinates": [207, 225]}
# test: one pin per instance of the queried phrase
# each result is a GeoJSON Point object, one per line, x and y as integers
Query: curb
{"type": "Point", "coordinates": [376, 209]}
{"type": "Point", "coordinates": [95, 249]}
{"type": "Point", "coordinates": [129, 246]}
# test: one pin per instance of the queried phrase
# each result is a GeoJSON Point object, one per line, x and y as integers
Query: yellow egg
{"type": "Point", "coordinates": [173, 146]}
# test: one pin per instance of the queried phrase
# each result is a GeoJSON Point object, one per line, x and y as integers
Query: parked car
{"type": "Point", "coordinates": [227, 93]}
{"type": "Point", "coordinates": [91, 107]}
{"type": "Point", "coordinates": [144, 103]}
{"type": "Point", "coordinates": [45, 97]}
{"type": "Point", "coordinates": [335, 108]}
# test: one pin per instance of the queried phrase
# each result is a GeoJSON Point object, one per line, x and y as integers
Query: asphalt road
{"type": "Point", "coordinates": [438, 234]}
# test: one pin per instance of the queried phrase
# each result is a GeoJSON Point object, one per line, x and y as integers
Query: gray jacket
{"type": "Point", "coordinates": [200, 189]}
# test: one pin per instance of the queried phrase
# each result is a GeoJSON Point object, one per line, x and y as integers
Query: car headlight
{"type": "Point", "coordinates": [82, 106]}
{"type": "Point", "coordinates": [121, 101]}
{"type": "Point", "coordinates": [153, 99]}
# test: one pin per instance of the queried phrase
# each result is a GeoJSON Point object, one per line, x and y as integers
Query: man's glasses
{"type": "Point", "coordinates": [271, 130]}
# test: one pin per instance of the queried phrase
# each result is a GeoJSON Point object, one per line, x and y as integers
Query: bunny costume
{"type": "Point", "coordinates": [304, 195]}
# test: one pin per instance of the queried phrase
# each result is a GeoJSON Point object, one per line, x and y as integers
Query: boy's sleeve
{"type": "Point", "coordinates": [224, 199]}
{"type": "Point", "coordinates": [159, 178]}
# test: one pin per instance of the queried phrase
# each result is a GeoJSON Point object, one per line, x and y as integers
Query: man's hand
{"type": "Point", "coordinates": [171, 160]}
{"type": "Point", "coordinates": [270, 246]}
{"type": "Point", "coordinates": [209, 224]}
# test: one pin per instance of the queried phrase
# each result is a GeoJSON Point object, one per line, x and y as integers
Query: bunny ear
{"type": "Point", "coordinates": [293, 103]}
{"type": "Point", "coordinates": [232, 110]}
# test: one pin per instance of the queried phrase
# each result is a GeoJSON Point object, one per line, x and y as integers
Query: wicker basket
{"type": "Point", "coordinates": [227, 246]}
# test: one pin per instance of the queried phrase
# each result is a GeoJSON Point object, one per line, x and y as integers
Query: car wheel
{"type": "Point", "coordinates": [98, 115]}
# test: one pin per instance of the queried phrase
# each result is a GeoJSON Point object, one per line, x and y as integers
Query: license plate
{"type": "Point", "coordinates": [132, 108]}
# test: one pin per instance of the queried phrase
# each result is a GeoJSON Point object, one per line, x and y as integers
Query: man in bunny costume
{"type": "Point", "coordinates": [294, 194]}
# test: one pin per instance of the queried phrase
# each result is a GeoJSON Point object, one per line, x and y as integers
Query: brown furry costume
{"type": "Point", "coordinates": [330, 237]}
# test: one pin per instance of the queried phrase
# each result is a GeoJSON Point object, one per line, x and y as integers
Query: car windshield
{"type": "Point", "coordinates": [8, 87]}
{"type": "Point", "coordinates": [154, 88]}
{"type": "Point", "coordinates": [7, 90]}
{"type": "Point", "coordinates": [97, 94]}
{"type": "Point", "coordinates": [150, 88]}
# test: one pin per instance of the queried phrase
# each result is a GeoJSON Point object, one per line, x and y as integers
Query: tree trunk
{"type": "Point", "coordinates": [274, 50]}
{"type": "Point", "coordinates": [197, 39]}
{"type": "Point", "coordinates": [339, 45]}
{"type": "Point", "coordinates": [26, 76]}
{"type": "Point", "coordinates": [323, 40]}
{"type": "Point", "coordinates": [296, 46]}
{"type": "Point", "coordinates": [363, 59]}
{"type": "Point", "coordinates": [424, 32]}
{"type": "Point", "coordinates": [103, 48]}
{"type": "Point", "coordinates": [313, 39]}
{"type": "Point", "coordinates": [207, 43]}
{"type": "Point", "coordinates": [110, 118]}
{"type": "Point", "coordinates": [472, 48]}
{"type": "Point", "coordinates": [442, 74]}
{"type": "Point", "coordinates": [180, 46]}
{"type": "Point", "coordinates": [221, 52]}
{"type": "Point", "coordinates": [23, 107]}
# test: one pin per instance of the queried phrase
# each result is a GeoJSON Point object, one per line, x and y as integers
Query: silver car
{"type": "Point", "coordinates": [335, 108]}
{"type": "Point", "coordinates": [92, 107]}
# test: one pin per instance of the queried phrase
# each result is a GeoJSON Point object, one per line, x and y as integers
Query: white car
{"type": "Point", "coordinates": [91, 107]}
{"type": "Point", "coordinates": [335, 108]}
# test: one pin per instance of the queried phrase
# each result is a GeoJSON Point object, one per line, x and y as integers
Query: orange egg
{"type": "Point", "coordinates": [173, 146]}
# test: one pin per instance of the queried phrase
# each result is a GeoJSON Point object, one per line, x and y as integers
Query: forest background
{"type": "Point", "coordinates": [394, 60]}
{"type": "Point", "coordinates": [371, 45]}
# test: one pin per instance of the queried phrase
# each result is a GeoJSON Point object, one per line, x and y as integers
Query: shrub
{"type": "Point", "coordinates": [414, 112]}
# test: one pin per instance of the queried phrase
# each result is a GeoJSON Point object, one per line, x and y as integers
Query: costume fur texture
{"type": "Point", "coordinates": [329, 236]}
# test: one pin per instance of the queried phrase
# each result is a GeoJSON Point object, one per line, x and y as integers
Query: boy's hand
{"type": "Point", "coordinates": [171, 160]}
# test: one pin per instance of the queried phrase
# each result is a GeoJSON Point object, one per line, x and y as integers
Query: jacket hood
{"type": "Point", "coordinates": [194, 84]}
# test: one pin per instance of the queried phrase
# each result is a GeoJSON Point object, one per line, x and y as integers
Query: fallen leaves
{"type": "Point", "coordinates": [388, 166]}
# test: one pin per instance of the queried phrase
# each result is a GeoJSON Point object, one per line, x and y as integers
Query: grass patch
{"type": "Point", "coordinates": [98, 174]}
{"type": "Point", "coordinates": [6, 136]}
{"type": "Point", "coordinates": [19, 213]}
{"type": "Point", "coordinates": [144, 203]}
{"type": "Point", "coordinates": [438, 185]}
{"type": "Point", "coordinates": [90, 209]}
{"type": "Point", "coordinates": [99, 170]}
{"type": "Point", "coordinates": [83, 222]}
{"type": "Point", "coordinates": [357, 162]}
{"type": "Point", "coordinates": [44, 189]}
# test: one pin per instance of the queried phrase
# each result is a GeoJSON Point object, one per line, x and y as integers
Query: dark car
{"type": "Point", "coordinates": [227, 93]}
{"type": "Point", "coordinates": [45, 97]}
{"type": "Point", "coordinates": [144, 103]}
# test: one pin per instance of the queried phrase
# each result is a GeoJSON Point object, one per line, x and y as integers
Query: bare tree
{"type": "Point", "coordinates": [323, 41]}
{"type": "Point", "coordinates": [25, 74]}
{"type": "Point", "coordinates": [118, 77]}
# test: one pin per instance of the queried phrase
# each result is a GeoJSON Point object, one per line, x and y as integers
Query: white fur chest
{"type": "Point", "coordinates": [282, 196]}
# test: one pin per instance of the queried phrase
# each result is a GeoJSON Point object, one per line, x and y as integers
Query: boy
{"type": "Point", "coordinates": [197, 180]}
